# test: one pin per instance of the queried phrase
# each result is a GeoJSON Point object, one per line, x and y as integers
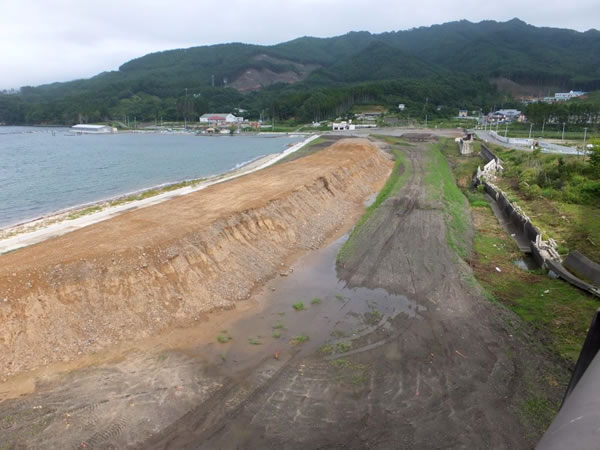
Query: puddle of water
{"type": "Point", "coordinates": [330, 311]}
{"type": "Point", "coordinates": [526, 263]}
{"type": "Point", "coordinates": [265, 324]}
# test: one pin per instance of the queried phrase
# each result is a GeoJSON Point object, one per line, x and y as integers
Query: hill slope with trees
{"type": "Point", "coordinates": [448, 65]}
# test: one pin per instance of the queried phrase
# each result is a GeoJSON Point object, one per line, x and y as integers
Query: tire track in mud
{"type": "Point", "coordinates": [438, 380]}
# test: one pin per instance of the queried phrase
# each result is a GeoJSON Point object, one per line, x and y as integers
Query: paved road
{"type": "Point", "coordinates": [547, 147]}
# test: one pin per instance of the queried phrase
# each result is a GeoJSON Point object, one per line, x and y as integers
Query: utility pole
{"type": "Point", "coordinates": [530, 129]}
{"type": "Point", "coordinates": [543, 125]}
{"type": "Point", "coordinates": [425, 120]}
{"type": "Point", "coordinates": [185, 107]}
{"type": "Point", "coordinates": [506, 130]}
{"type": "Point", "coordinates": [584, 138]}
{"type": "Point", "coordinates": [563, 133]}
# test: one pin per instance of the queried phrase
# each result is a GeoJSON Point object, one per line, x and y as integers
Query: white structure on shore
{"type": "Point", "coordinates": [220, 119]}
{"type": "Point", "coordinates": [92, 129]}
{"type": "Point", "coordinates": [343, 126]}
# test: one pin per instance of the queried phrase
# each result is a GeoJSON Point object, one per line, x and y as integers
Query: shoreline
{"type": "Point", "coordinates": [63, 221]}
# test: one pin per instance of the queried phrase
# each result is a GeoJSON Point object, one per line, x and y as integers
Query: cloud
{"type": "Point", "coordinates": [43, 41]}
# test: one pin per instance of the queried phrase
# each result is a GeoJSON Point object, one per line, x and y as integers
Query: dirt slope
{"type": "Point", "coordinates": [446, 374]}
{"type": "Point", "coordinates": [163, 266]}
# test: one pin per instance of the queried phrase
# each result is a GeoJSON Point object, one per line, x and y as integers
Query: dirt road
{"type": "Point", "coordinates": [393, 350]}
{"type": "Point", "coordinates": [433, 365]}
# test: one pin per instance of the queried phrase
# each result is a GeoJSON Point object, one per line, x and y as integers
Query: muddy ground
{"type": "Point", "coordinates": [393, 349]}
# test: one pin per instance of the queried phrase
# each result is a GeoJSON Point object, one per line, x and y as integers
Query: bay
{"type": "Point", "coordinates": [44, 170]}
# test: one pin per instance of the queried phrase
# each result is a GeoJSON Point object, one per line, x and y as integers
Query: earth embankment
{"type": "Point", "coordinates": [165, 265]}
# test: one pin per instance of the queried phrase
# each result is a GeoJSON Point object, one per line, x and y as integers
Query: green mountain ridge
{"type": "Point", "coordinates": [325, 76]}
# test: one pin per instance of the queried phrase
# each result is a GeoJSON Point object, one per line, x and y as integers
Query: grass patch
{"type": "Point", "coordinates": [254, 341]}
{"type": "Point", "coordinates": [560, 312]}
{"type": "Point", "coordinates": [340, 297]}
{"type": "Point", "coordinates": [554, 307]}
{"type": "Point", "coordinates": [350, 372]}
{"type": "Point", "coordinates": [279, 326]}
{"type": "Point", "coordinates": [131, 198]}
{"type": "Point", "coordinates": [442, 185]}
{"type": "Point", "coordinates": [298, 306]}
{"type": "Point", "coordinates": [84, 212]}
{"type": "Point", "coordinates": [276, 334]}
{"type": "Point", "coordinates": [340, 363]}
{"type": "Point", "coordinates": [538, 411]}
{"type": "Point", "coordinates": [315, 301]}
{"type": "Point", "coordinates": [373, 317]}
{"type": "Point", "coordinates": [343, 347]}
{"type": "Point", "coordinates": [327, 349]}
{"type": "Point", "coordinates": [223, 337]}
{"type": "Point", "coordinates": [396, 180]}
{"type": "Point", "coordinates": [300, 339]}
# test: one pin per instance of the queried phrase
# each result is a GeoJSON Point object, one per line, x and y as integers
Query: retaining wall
{"type": "Point", "coordinates": [578, 263]}
{"type": "Point", "coordinates": [486, 154]}
{"type": "Point", "coordinates": [543, 252]}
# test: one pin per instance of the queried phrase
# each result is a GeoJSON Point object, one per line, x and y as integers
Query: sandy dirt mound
{"type": "Point", "coordinates": [151, 269]}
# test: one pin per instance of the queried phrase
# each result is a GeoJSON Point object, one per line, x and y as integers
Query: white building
{"type": "Point", "coordinates": [343, 126]}
{"type": "Point", "coordinates": [463, 113]}
{"type": "Point", "coordinates": [401, 106]}
{"type": "Point", "coordinates": [509, 113]}
{"type": "Point", "coordinates": [92, 129]}
{"type": "Point", "coordinates": [564, 96]}
{"type": "Point", "coordinates": [220, 119]}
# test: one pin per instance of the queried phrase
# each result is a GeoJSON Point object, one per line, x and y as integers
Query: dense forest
{"type": "Point", "coordinates": [447, 65]}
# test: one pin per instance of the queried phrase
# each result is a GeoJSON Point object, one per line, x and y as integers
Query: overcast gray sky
{"type": "Point", "coordinates": [42, 41]}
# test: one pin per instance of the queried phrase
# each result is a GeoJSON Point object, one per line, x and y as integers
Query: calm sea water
{"type": "Point", "coordinates": [43, 170]}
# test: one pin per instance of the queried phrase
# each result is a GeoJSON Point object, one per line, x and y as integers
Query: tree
{"type": "Point", "coordinates": [594, 157]}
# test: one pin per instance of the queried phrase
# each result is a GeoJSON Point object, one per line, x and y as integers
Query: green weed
{"type": "Point", "coordinates": [223, 338]}
{"type": "Point", "coordinates": [343, 347]}
{"type": "Point", "coordinates": [298, 306]}
{"type": "Point", "coordinates": [300, 339]}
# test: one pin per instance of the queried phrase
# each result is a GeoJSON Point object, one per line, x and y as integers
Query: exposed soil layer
{"type": "Point", "coordinates": [438, 367]}
{"type": "Point", "coordinates": [394, 350]}
{"type": "Point", "coordinates": [163, 266]}
{"type": "Point", "coordinates": [253, 79]}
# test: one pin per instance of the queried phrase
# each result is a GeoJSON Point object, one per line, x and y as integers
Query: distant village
{"type": "Point", "coordinates": [227, 123]}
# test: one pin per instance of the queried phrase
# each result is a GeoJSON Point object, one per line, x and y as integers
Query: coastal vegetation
{"type": "Point", "coordinates": [559, 312]}
{"type": "Point", "coordinates": [442, 186]}
{"type": "Point", "coordinates": [560, 193]}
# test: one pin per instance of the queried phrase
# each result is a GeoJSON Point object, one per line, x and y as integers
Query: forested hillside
{"type": "Point", "coordinates": [308, 78]}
